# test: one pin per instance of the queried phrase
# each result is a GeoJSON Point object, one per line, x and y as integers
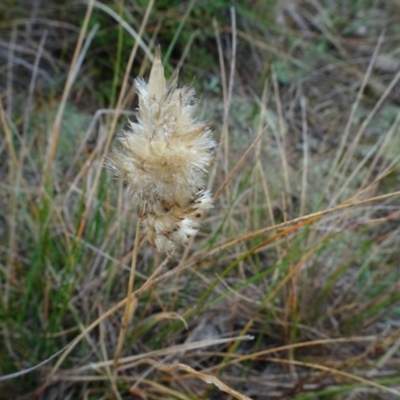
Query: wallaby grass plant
{"type": "Point", "coordinates": [163, 158]}
{"type": "Point", "coordinates": [300, 251]}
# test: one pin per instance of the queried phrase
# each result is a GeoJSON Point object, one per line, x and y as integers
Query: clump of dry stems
{"type": "Point", "coordinates": [163, 158]}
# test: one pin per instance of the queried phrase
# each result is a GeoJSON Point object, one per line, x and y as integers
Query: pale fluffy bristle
{"type": "Point", "coordinates": [163, 157]}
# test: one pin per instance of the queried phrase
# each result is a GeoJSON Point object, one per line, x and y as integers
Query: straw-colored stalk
{"type": "Point", "coordinates": [163, 159]}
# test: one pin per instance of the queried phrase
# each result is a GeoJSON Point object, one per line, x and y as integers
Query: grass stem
{"type": "Point", "coordinates": [131, 302]}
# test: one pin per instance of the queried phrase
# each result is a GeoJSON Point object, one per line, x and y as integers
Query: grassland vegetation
{"type": "Point", "coordinates": [291, 287]}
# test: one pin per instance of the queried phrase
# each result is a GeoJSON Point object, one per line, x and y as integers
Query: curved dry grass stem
{"type": "Point", "coordinates": [210, 379]}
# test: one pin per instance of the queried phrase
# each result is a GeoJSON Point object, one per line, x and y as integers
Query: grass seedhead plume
{"type": "Point", "coordinates": [163, 157]}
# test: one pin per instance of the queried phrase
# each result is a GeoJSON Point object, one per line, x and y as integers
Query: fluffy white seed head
{"type": "Point", "coordinates": [163, 157]}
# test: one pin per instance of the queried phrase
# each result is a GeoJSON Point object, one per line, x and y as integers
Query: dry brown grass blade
{"type": "Point", "coordinates": [343, 166]}
{"type": "Point", "coordinates": [131, 361]}
{"type": "Point", "coordinates": [103, 348]}
{"type": "Point", "coordinates": [7, 132]}
{"type": "Point", "coordinates": [388, 140]}
{"type": "Point", "coordinates": [227, 89]}
{"type": "Point", "coordinates": [129, 308]}
{"type": "Point", "coordinates": [292, 224]}
{"type": "Point", "coordinates": [210, 379]}
{"type": "Point", "coordinates": [393, 349]}
{"type": "Point", "coordinates": [306, 156]}
{"type": "Point", "coordinates": [281, 137]}
{"type": "Point", "coordinates": [164, 390]}
{"type": "Point", "coordinates": [365, 78]}
{"type": "Point", "coordinates": [334, 371]}
{"type": "Point", "coordinates": [237, 166]}
{"type": "Point", "coordinates": [307, 219]}
{"type": "Point", "coordinates": [131, 304]}
{"type": "Point", "coordinates": [291, 274]}
{"type": "Point", "coordinates": [14, 176]}
{"type": "Point", "coordinates": [236, 358]}
{"type": "Point", "coordinates": [53, 139]}
{"type": "Point", "coordinates": [10, 62]}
